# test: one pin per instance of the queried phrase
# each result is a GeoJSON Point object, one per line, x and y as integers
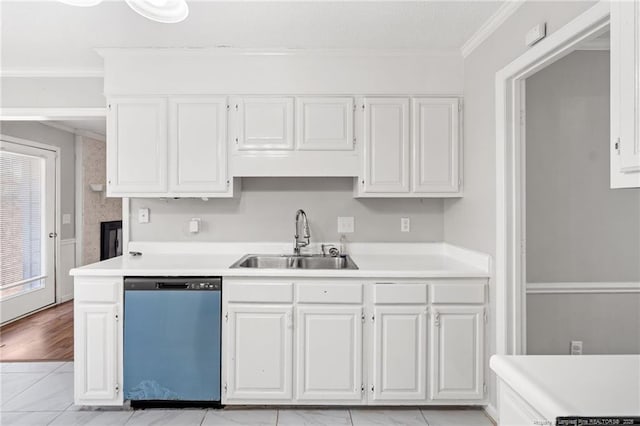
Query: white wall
{"type": "Point", "coordinates": [578, 229]}
{"type": "Point", "coordinates": [265, 211]}
{"type": "Point", "coordinates": [470, 221]}
{"type": "Point", "coordinates": [39, 92]}
{"type": "Point", "coordinates": [38, 132]}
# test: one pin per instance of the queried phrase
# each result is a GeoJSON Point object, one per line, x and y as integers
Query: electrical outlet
{"type": "Point", "coordinates": [66, 219]}
{"type": "Point", "coordinates": [405, 224]}
{"type": "Point", "coordinates": [346, 225]}
{"type": "Point", "coordinates": [576, 347]}
{"type": "Point", "coordinates": [143, 215]}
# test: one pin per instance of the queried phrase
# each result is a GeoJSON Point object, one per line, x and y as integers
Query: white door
{"type": "Point", "coordinates": [136, 146]}
{"type": "Point", "coordinates": [198, 144]}
{"type": "Point", "coordinates": [329, 353]}
{"type": "Point", "coordinates": [27, 229]}
{"type": "Point", "coordinates": [435, 145]}
{"type": "Point", "coordinates": [259, 352]}
{"type": "Point", "coordinates": [386, 145]}
{"type": "Point", "coordinates": [324, 123]}
{"type": "Point", "coordinates": [625, 94]}
{"type": "Point", "coordinates": [96, 354]}
{"type": "Point", "coordinates": [264, 124]}
{"type": "Point", "coordinates": [399, 353]}
{"type": "Point", "coordinates": [456, 352]}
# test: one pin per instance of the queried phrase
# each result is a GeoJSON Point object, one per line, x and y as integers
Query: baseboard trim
{"type": "Point", "coordinates": [583, 287]}
{"type": "Point", "coordinates": [492, 412]}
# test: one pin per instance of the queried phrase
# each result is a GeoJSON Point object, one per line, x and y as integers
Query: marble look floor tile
{"type": "Point", "coordinates": [456, 418]}
{"type": "Point", "coordinates": [250, 417]}
{"type": "Point", "coordinates": [92, 418]}
{"type": "Point", "coordinates": [314, 418]}
{"type": "Point", "coordinates": [53, 393]}
{"type": "Point", "coordinates": [166, 417]}
{"type": "Point", "coordinates": [29, 367]}
{"type": "Point", "coordinates": [67, 367]}
{"type": "Point", "coordinates": [365, 417]}
{"type": "Point", "coordinates": [40, 418]}
{"type": "Point", "coordinates": [13, 384]}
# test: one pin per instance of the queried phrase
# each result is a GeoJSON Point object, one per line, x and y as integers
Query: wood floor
{"type": "Point", "coordinates": [43, 336]}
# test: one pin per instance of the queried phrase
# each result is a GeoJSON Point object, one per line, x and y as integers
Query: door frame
{"type": "Point", "coordinates": [57, 217]}
{"type": "Point", "coordinates": [510, 179]}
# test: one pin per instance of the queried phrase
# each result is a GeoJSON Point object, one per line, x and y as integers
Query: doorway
{"type": "Point", "coordinates": [27, 227]}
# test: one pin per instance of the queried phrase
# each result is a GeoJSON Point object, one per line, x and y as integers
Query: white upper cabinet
{"type": "Point", "coordinates": [457, 335]}
{"type": "Point", "coordinates": [259, 350]}
{"type": "Point", "coordinates": [264, 124]}
{"type": "Point", "coordinates": [324, 123]}
{"type": "Point", "coordinates": [136, 146]}
{"type": "Point", "coordinates": [198, 145]}
{"type": "Point", "coordinates": [625, 94]}
{"type": "Point", "coordinates": [435, 158]}
{"type": "Point", "coordinates": [329, 353]}
{"type": "Point", "coordinates": [386, 145]}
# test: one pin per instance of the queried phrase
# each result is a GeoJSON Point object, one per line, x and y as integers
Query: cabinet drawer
{"type": "Point", "coordinates": [458, 291]}
{"type": "Point", "coordinates": [98, 289]}
{"type": "Point", "coordinates": [259, 292]}
{"type": "Point", "coordinates": [400, 293]}
{"type": "Point", "coordinates": [329, 293]}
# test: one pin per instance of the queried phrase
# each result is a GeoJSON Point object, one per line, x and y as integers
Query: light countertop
{"type": "Point", "coordinates": [582, 385]}
{"type": "Point", "coordinates": [373, 260]}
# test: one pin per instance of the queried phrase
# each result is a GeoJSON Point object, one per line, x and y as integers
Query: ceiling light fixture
{"type": "Point", "coordinates": [165, 11]}
{"type": "Point", "coordinates": [82, 3]}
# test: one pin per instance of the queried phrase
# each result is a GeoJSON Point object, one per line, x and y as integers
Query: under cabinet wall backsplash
{"type": "Point", "coordinates": [265, 209]}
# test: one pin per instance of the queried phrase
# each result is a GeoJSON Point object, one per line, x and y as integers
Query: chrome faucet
{"type": "Point", "coordinates": [305, 229]}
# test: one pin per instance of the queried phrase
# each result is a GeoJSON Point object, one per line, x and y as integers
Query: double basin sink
{"type": "Point", "coordinates": [270, 261]}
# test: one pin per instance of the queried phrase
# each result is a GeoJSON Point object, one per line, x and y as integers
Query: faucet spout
{"type": "Point", "coordinates": [300, 214]}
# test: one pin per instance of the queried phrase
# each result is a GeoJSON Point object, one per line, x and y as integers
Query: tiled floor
{"type": "Point", "coordinates": [42, 394]}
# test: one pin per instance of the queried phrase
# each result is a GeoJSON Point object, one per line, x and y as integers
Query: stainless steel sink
{"type": "Point", "coordinates": [270, 261]}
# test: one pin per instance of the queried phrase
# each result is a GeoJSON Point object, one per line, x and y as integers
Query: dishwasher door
{"type": "Point", "coordinates": [172, 339]}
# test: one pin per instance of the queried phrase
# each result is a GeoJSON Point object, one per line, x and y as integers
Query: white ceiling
{"type": "Point", "coordinates": [39, 34]}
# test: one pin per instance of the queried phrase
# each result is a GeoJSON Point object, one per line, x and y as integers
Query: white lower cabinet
{"type": "Point", "coordinates": [399, 353]}
{"type": "Point", "coordinates": [259, 348]}
{"type": "Point", "coordinates": [325, 342]}
{"type": "Point", "coordinates": [457, 336]}
{"type": "Point", "coordinates": [98, 341]}
{"type": "Point", "coordinates": [329, 353]}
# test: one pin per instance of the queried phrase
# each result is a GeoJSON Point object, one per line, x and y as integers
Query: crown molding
{"type": "Point", "coordinates": [107, 52]}
{"type": "Point", "coordinates": [52, 72]}
{"type": "Point", "coordinates": [507, 9]}
{"type": "Point", "coordinates": [43, 114]}
{"type": "Point", "coordinates": [79, 132]}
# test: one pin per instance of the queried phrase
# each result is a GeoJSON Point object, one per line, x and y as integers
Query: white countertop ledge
{"type": "Point", "coordinates": [374, 260]}
{"type": "Point", "coordinates": [565, 385]}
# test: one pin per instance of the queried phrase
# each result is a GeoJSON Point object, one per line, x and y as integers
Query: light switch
{"type": "Point", "coordinates": [346, 225]}
{"type": "Point", "coordinates": [66, 218]}
{"type": "Point", "coordinates": [194, 225]}
{"type": "Point", "coordinates": [143, 215]}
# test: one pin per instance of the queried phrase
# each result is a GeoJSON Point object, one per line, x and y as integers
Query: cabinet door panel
{"type": "Point", "coordinates": [265, 124]}
{"type": "Point", "coordinates": [399, 353]}
{"type": "Point", "coordinates": [259, 346]}
{"type": "Point", "coordinates": [325, 123]}
{"type": "Point", "coordinates": [96, 354]}
{"type": "Point", "coordinates": [435, 145]}
{"type": "Point", "coordinates": [457, 352]}
{"type": "Point", "coordinates": [197, 141]}
{"type": "Point", "coordinates": [137, 146]}
{"type": "Point", "coordinates": [625, 94]}
{"type": "Point", "coordinates": [329, 353]}
{"type": "Point", "coordinates": [386, 145]}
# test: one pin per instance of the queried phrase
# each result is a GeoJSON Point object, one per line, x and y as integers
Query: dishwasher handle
{"type": "Point", "coordinates": [172, 286]}
{"type": "Point", "coordinates": [173, 283]}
